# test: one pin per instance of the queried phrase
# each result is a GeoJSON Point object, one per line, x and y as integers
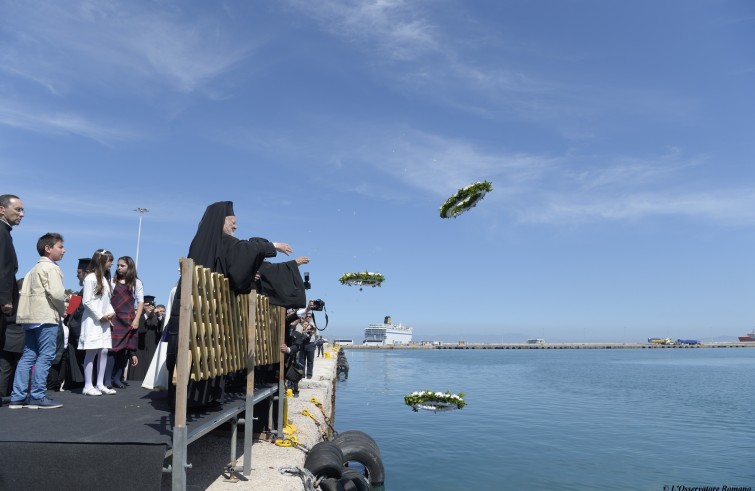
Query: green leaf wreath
{"type": "Point", "coordinates": [364, 278]}
{"type": "Point", "coordinates": [465, 199]}
{"type": "Point", "coordinates": [434, 399]}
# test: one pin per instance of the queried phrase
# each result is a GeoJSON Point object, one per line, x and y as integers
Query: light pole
{"type": "Point", "coordinates": [140, 211]}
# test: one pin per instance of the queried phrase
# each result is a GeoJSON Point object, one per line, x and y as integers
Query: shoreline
{"type": "Point", "coordinates": [209, 456]}
{"type": "Point", "coordinates": [462, 345]}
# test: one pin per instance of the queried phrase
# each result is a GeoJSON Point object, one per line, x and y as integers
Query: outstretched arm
{"type": "Point", "coordinates": [283, 247]}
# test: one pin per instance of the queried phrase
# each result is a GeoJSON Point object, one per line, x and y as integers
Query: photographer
{"type": "Point", "coordinates": [295, 340]}
{"type": "Point", "coordinates": [307, 355]}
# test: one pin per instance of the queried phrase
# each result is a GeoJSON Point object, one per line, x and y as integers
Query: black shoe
{"type": "Point", "coordinates": [117, 386]}
{"type": "Point", "coordinates": [296, 394]}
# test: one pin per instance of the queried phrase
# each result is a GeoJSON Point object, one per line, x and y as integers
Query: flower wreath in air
{"type": "Point", "coordinates": [465, 199]}
{"type": "Point", "coordinates": [362, 279]}
{"type": "Point", "coordinates": [434, 401]}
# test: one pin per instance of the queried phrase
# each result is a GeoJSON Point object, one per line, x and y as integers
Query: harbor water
{"type": "Point", "coordinates": [631, 419]}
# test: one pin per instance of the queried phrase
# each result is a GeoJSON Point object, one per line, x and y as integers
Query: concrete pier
{"type": "Point", "coordinates": [210, 455]}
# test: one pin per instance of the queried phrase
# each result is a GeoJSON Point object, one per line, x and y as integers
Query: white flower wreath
{"type": "Point", "coordinates": [464, 199]}
{"type": "Point", "coordinates": [362, 279]}
{"type": "Point", "coordinates": [434, 401]}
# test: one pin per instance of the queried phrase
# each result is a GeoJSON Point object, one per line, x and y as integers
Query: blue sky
{"type": "Point", "coordinates": [617, 136]}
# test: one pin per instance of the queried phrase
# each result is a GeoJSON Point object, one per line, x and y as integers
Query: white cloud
{"type": "Point", "coordinates": [78, 52]}
{"type": "Point", "coordinates": [441, 165]}
{"type": "Point", "coordinates": [541, 188]}
{"type": "Point", "coordinates": [60, 123]}
{"type": "Point", "coordinates": [123, 40]}
{"type": "Point", "coordinates": [414, 48]}
{"type": "Point", "coordinates": [634, 171]}
{"type": "Point", "coordinates": [392, 29]}
{"type": "Point", "coordinates": [442, 52]}
{"type": "Point", "coordinates": [730, 207]}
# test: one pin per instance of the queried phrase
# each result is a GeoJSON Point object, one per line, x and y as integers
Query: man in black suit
{"type": "Point", "coordinates": [74, 375]}
{"type": "Point", "coordinates": [12, 339]}
{"type": "Point", "coordinates": [11, 213]}
{"type": "Point", "coordinates": [160, 314]}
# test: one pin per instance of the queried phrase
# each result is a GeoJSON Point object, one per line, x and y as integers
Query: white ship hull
{"type": "Point", "coordinates": [388, 334]}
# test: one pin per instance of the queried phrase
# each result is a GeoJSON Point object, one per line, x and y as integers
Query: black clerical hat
{"type": "Point", "coordinates": [229, 209]}
{"type": "Point", "coordinates": [84, 263]}
{"type": "Point", "coordinates": [149, 299]}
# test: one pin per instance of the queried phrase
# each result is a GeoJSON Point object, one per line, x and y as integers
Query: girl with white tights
{"type": "Point", "coordinates": [95, 323]}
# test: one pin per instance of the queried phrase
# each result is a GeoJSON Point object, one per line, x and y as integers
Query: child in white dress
{"type": "Point", "coordinates": [95, 323]}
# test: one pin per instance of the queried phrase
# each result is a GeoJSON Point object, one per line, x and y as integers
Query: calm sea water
{"type": "Point", "coordinates": [628, 419]}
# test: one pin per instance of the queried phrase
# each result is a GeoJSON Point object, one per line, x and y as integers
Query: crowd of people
{"type": "Point", "coordinates": [300, 345]}
{"type": "Point", "coordinates": [51, 339]}
{"type": "Point", "coordinates": [105, 335]}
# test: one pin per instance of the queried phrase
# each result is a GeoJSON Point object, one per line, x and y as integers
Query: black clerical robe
{"type": "Point", "coordinates": [149, 333]}
{"type": "Point", "coordinates": [8, 267]}
{"type": "Point", "coordinates": [8, 270]}
{"type": "Point", "coordinates": [74, 373]}
{"type": "Point", "coordinates": [282, 284]}
{"type": "Point", "coordinates": [238, 260]}
{"type": "Point", "coordinates": [242, 258]}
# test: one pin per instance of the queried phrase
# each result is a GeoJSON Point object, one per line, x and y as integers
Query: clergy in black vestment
{"type": "Point", "coordinates": [12, 339]}
{"type": "Point", "coordinates": [11, 214]}
{"type": "Point", "coordinates": [148, 338]}
{"type": "Point", "coordinates": [215, 247]}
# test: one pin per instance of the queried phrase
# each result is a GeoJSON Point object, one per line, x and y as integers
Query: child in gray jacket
{"type": "Point", "coordinates": [40, 309]}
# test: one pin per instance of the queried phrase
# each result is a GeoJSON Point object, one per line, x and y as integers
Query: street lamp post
{"type": "Point", "coordinates": [140, 211]}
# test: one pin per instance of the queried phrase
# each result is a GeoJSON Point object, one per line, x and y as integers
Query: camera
{"type": "Point", "coordinates": [299, 338]}
{"type": "Point", "coordinates": [307, 284]}
{"type": "Point", "coordinates": [318, 304]}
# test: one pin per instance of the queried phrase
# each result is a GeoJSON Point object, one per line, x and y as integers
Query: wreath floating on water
{"type": "Point", "coordinates": [362, 279]}
{"type": "Point", "coordinates": [465, 199]}
{"type": "Point", "coordinates": [434, 401]}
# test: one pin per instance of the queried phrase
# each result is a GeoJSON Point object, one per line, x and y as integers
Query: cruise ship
{"type": "Point", "coordinates": [387, 333]}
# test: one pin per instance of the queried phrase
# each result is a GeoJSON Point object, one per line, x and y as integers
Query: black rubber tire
{"type": "Point", "coordinates": [357, 448]}
{"type": "Point", "coordinates": [325, 459]}
{"type": "Point", "coordinates": [331, 484]}
{"type": "Point", "coordinates": [361, 483]}
{"type": "Point", "coordinates": [348, 485]}
{"type": "Point", "coordinates": [356, 437]}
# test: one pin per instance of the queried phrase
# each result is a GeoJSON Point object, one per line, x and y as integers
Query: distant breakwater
{"type": "Point", "coordinates": [554, 346]}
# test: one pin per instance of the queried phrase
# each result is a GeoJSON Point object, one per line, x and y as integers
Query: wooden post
{"type": "Point", "coordinates": [180, 435]}
{"type": "Point", "coordinates": [282, 378]}
{"type": "Point", "coordinates": [250, 362]}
